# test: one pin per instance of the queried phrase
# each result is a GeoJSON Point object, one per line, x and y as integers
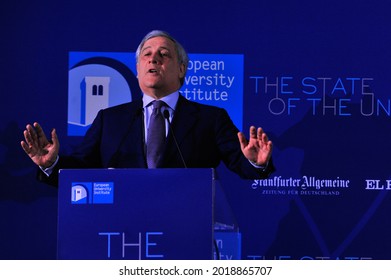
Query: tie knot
{"type": "Point", "coordinates": [158, 104]}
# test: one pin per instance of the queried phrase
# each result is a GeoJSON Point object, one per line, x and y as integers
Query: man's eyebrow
{"type": "Point", "coordinates": [145, 48]}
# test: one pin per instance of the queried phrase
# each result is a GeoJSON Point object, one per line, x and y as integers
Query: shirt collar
{"type": "Point", "coordinates": [171, 100]}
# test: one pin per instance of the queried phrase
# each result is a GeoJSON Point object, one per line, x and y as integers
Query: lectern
{"type": "Point", "coordinates": [136, 214]}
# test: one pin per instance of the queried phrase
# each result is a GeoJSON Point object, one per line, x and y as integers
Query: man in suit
{"type": "Point", "coordinates": [197, 136]}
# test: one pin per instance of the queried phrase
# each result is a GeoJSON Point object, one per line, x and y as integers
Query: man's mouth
{"type": "Point", "coordinates": [152, 71]}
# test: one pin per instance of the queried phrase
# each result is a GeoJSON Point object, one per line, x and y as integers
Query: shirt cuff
{"type": "Point", "coordinates": [49, 170]}
{"type": "Point", "coordinates": [263, 167]}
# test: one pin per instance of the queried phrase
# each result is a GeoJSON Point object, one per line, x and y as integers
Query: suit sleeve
{"type": "Point", "coordinates": [86, 156]}
{"type": "Point", "coordinates": [231, 153]}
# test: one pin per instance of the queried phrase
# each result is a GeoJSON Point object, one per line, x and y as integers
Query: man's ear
{"type": "Point", "coordinates": [137, 65]}
{"type": "Point", "coordinates": [182, 70]}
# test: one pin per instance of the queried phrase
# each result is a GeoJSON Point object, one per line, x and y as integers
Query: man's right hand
{"type": "Point", "coordinates": [38, 148]}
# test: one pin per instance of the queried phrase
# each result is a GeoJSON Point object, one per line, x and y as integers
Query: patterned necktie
{"type": "Point", "coordinates": [156, 134]}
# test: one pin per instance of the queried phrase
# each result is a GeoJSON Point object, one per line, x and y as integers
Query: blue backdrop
{"type": "Point", "coordinates": [315, 78]}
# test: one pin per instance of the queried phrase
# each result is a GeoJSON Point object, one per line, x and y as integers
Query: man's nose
{"type": "Point", "coordinates": [154, 59]}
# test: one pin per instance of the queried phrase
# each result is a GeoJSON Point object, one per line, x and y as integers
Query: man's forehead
{"type": "Point", "coordinates": [161, 41]}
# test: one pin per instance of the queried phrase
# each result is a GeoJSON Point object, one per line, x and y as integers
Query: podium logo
{"type": "Point", "coordinates": [79, 194]}
{"type": "Point", "coordinates": [92, 193]}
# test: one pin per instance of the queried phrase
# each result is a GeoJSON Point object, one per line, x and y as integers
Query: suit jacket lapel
{"type": "Point", "coordinates": [133, 136]}
{"type": "Point", "coordinates": [185, 118]}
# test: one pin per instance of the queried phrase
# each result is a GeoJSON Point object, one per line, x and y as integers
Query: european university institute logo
{"type": "Point", "coordinates": [92, 193]}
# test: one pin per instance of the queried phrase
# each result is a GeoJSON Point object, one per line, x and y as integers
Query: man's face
{"type": "Point", "coordinates": [158, 70]}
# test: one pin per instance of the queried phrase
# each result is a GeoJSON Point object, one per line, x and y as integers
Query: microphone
{"type": "Point", "coordinates": [114, 159]}
{"type": "Point", "coordinates": [166, 115]}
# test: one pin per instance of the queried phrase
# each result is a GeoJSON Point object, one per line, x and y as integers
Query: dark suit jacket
{"type": "Point", "coordinates": [205, 134]}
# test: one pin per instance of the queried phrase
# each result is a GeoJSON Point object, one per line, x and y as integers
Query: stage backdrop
{"type": "Point", "coordinates": [313, 74]}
